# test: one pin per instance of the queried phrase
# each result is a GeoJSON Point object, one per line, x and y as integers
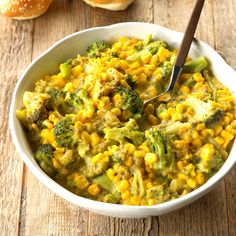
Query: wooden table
{"type": "Point", "coordinates": [29, 208]}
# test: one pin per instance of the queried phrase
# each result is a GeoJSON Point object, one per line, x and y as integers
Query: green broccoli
{"type": "Point", "coordinates": [190, 82]}
{"type": "Point", "coordinates": [78, 101]}
{"type": "Point", "coordinates": [69, 160]}
{"type": "Point", "coordinates": [114, 197]}
{"type": "Point", "coordinates": [204, 111]}
{"type": "Point", "coordinates": [195, 66]}
{"type": "Point", "coordinates": [116, 157]}
{"type": "Point", "coordinates": [158, 193]}
{"type": "Point", "coordinates": [96, 48]}
{"type": "Point", "coordinates": [129, 132]}
{"type": "Point", "coordinates": [94, 169]}
{"type": "Point", "coordinates": [130, 100]}
{"type": "Point", "coordinates": [173, 128]}
{"type": "Point", "coordinates": [210, 160]}
{"type": "Point", "coordinates": [166, 68]}
{"type": "Point", "coordinates": [211, 84]}
{"type": "Point", "coordinates": [104, 182]}
{"type": "Point", "coordinates": [44, 156]}
{"type": "Point", "coordinates": [65, 68]}
{"type": "Point", "coordinates": [156, 144]}
{"type": "Point", "coordinates": [137, 185]}
{"type": "Point", "coordinates": [56, 100]}
{"type": "Point", "coordinates": [146, 47]}
{"type": "Point", "coordinates": [34, 104]}
{"type": "Point", "coordinates": [130, 81]}
{"type": "Point", "coordinates": [64, 133]}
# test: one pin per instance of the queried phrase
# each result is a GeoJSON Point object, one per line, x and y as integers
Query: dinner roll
{"type": "Point", "coordinates": [24, 9]}
{"type": "Point", "coordinates": [114, 5]}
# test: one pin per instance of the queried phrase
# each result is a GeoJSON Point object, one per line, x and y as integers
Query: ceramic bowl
{"type": "Point", "coordinates": [67, 48]}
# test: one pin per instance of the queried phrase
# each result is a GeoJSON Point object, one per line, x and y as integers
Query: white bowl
{"type": "Point", "coordinates": [68, 47]}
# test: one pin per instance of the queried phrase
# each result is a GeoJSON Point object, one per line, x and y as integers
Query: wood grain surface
{"type": "Point", "coordinates": [29, 208]}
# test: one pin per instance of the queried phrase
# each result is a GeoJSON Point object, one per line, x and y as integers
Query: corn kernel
{"type": "Point", "coordinates": [152, 202]}
{"type": "Point", "coordinates": [116, 179]}
{"type": "Point", "coordinates": [48, 135]}
{"type": "Point", "coordinates": [139, 154]}
{"type": "Point", "coordinates": [185, 89]}
{"type": "Point", "coordinates": [123, 185]}
{"type": "Point", "coordinates": [144, 202]}
{"type": "Point", "coordinates": [135, 200]}
{"type": "Point", "coordinates": [116, 111]}
{"type": "Point", "coordinates": [164, 115]}
{"type": "Point", "coordinates": [111, 174]}
{"type": "Point", "coordinates": [192, 183]}
{"type": "Point", "coordinates": [146, 58]}
{"type": "Point", "coordinates": [227, 135]}
{"type": "Point", "coordinates": [180, 165]}
{"type": "Point", "coordinates": [56, 164]}
{"type": "Point", "coordinates": [149, 110]}
{"type": "Point", "coordinates": [154, 60]}
{"type": "Point", "coordinates": [150, 158]}
{"type": "Point", "coordinates": [85, 137]}
{"type": "Point", "coordinates": [153, 120]}
{"type": "Point", "coordinates": [144, 148]}
{"type": "Point", "coordinates": [81, 182]}
{"type": "Point", "coordinates": [94, 189]}
{"type": "Point", "coordinates": [95, 139]}
{"type": "Point", "coordinates": [200, 178]}
{"type": "Point", "coordinates": [97, 158]}
{"type": "Point", "coordinates": [130, 148]}
{"type": "Point", "coordinates": [219, 140]}
{"type": "Point", "coordinates": [125, 195]}
{"type": "Point", "coordinates": [129, 162]}
{"type": "Point", "coordinates": [200, 127]}
{"type": "Point", "coordinates": [180, 108]}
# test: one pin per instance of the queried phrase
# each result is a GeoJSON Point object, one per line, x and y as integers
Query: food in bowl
{"type": "Point", "coordinates": [91, 132]}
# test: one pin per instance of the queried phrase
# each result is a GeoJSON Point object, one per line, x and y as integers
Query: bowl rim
{"type": "Point", "coordinates": [93, 204]}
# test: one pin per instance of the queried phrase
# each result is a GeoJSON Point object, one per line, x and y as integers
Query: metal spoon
{"type": "Point", "coordinates": [184, 48]}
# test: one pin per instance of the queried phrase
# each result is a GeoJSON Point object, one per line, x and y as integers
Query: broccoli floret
{"type": "Point", "coordinates": [129, 132]}
{"type": "Point", "coordinates": [173, 128]}
{"type": "Point", "coordinates": [166, 69]}
{"type": "Point", "coordinates": [210, 160]}
{"type": "Point", "coordinates": [69, 160]}
{"type": "Point", "coordinates": [190, 82]}
{"type": "Point", "coordinates": [146, 47]}
{"type": "Point", "coordinates": [137, 185]}
{"type": "Point", "coordinates": [130, 100]}
{"type": "Point", "coordinates": [156, 144]}
{"type": "Point", "coordinates": [104, 182]}
{"type": "Point", "coordinates": [211, 84]}
{"type": "Point", "coordinates": [158, 193]}
{"type": "Point", "coordinates": [205, 112]}
{"type": "Point", "coordinates": [130, 81]}
{"type": "Point", "coordinates": [96, 48]}
{"type": "Point", "coordinates": [195, 66]}
{"type": "Point", "coordinates": [64, 132]}
{"type": "Point", "coordinates": [78, 101]}
{"type": "Point", "coordinates": [65, 68]}
{"type": "Point", "coordinates": [116, 157]}
{"type": "Point", "coordinates": [44, 156]}
{"type": "Point", "coordinates": [34, 104]}
{"type": "Point", "coordinates": [57, 100]}
{"type": "Point", "coordinates": [94, 169]}
{"type": "Point", "coordinates": [114, 197]}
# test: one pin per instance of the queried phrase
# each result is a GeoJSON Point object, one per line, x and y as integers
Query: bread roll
{"type": "Point", "coordinates": [24, 9]}
{"type": "Point", "coordinates": [113, 5]}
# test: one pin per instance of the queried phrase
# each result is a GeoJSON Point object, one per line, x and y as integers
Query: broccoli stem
{"type": "Point", "coordinates": [195, 66]}
{"type": "Point", "coordinates": [210, 83]}
{"type": "Point", "coordinates": [65, 68]}
{"type": "Point", "coordinates": [104, 182]}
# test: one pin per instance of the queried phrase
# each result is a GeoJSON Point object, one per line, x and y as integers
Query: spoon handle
{"type": "Point", "coordinates": [189, 34]}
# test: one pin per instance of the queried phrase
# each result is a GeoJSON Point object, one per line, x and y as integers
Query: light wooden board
{"type": "Point", "coordinates": [29, 208]}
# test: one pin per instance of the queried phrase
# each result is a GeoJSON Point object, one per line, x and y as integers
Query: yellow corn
{"type": "Point", "coordinates": [94, 189]}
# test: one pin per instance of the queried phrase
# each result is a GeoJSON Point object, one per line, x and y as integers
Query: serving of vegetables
{"type": "Point", "coordinates": [92, 133]}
